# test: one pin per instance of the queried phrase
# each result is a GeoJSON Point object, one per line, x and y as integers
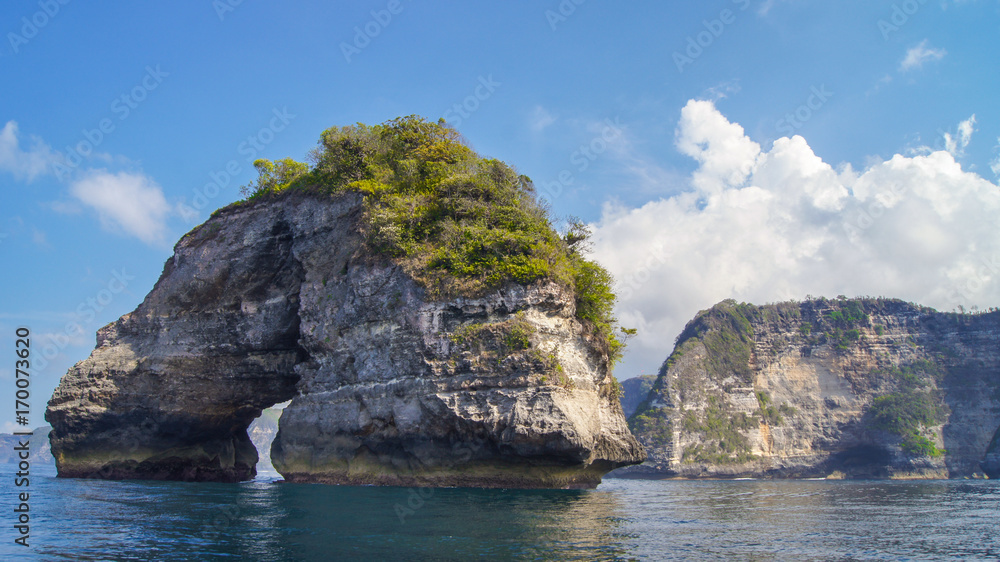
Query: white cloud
{"type": "Point", "coordinates": [918, 55]}
{"type": "Point", "coordinates": [540, 119]}
{"type": "Point", "coordinates": [723, 90]}
{"type": "Point", "coordinates": [726, 155]}
{"type": "Point", "coordinates": [130, 202]}
{"type": "Point", "coordinates": [995, 164]}
{"type": "Point", "coordinates": [24, 164]}
{"type": "Point", "coordinates": [956, 144]}
{"type": "Point", "coordinates": [768, 225]}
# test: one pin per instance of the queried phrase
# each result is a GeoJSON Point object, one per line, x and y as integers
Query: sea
{"type": "Point", "coordinates": [620, 520]}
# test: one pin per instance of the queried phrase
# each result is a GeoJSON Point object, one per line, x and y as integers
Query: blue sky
{"type": "Point", "coordinates": [752, 149]}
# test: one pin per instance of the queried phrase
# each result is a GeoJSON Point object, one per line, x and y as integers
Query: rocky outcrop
{"type": "Point", "coordinates": [277, 300]}
{"type": "Point", "coordinates": [869, 388]}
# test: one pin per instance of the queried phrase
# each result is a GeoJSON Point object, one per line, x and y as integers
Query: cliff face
{"type": "Point", "coordinates": [272, 301]}
{"type": "Point", "coordinates": [849, 388]}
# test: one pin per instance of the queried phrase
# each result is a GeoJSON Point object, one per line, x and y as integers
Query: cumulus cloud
{"type": "Point", "coordinates": [24, 164]}
{"type": "Point", "coordinates": [726, 155]}
{"type": "Point", "coordinates": [129, 202]}
{"type": "Point", "coordinates": [768, 225]}
{"type": "Point", "coordinates": [918, 55]}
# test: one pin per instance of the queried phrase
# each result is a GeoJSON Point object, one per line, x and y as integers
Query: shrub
{"type": "Point", "coordinates": [273, 177]}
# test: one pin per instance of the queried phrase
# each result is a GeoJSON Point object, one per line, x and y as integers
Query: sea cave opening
{"type": "Point", "coordinates": [262, 431]}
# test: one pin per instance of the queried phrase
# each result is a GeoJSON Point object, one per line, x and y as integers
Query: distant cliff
{"type": "Point", "coordinates": [38, 447]}
{"type": "Point", "coordinates": [853, 388]}
{"type": "Point", "coordinates": [634, 391]}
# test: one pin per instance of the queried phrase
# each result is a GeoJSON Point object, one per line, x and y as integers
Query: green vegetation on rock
{"type": "Point", "coordinates": [460, 224]}
{"type": "Point", "coordinates": [913, 408]}
{"type": "Point", "coordinates": [654, 425]}
{"type": "Point", "coordinates": [722, 432]}
{"type": "Point", "coordinates": [500, 339]}
{"type": "Point", "coordinates": [727, 334]}
{"type": "Point", "coordinates": [902, 359]}
{"type": "Point", "coordinates": [771, 414]}
{"type": "Point", "coordinates": [906, 414]}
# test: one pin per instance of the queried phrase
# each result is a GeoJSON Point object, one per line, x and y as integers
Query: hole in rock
{"type": "Point", "coordinates": [262, 431]}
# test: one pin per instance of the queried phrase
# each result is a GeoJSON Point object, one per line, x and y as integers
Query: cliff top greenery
{"type": "Point", "coordinates": [459, 223]}
{"type": "Point", "coordinates": [727, 331]}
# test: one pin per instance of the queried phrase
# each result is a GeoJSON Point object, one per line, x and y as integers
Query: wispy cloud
{"type": "Point", "coordinates": [918, 55]}
{"type": "Point", "coordinates": [995, 164]}
{"type": "Point", "coordinates": [540, 119]}
{"type": "Point", "coordinates": [956, 144]}
{"type": "Point", "coordinates": [24, 164]}
{"type": "Point", "coordinates": [128, 202]}
{"type": "Point", "coordinates": [723, 90]}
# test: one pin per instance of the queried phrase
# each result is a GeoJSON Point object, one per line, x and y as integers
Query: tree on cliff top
{"type": "Point", "coordinates": [459, 223]}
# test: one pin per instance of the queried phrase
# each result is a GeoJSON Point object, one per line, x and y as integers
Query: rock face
{"type": "Point", "coordinates": [272, 301]}
{"type": "Point", "coordinates": [870, 388]}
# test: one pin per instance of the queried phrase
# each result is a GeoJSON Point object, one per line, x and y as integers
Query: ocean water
{"type": "Point", "coordinates": [620, 520]}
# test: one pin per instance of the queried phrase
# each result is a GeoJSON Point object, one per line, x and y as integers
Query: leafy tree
{"type": "Point", "coordinates": [274, 177]}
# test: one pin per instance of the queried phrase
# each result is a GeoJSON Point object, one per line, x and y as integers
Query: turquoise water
{"type": "Point", "coordinates": [621, 520]}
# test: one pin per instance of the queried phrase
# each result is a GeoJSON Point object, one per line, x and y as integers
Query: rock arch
{"type": "Point", "coordinates": [272, 301]}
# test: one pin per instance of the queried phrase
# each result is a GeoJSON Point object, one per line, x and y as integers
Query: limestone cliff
{"type": "Point", "coordinates": [850, 388]}
{"type": "Point", "coordinates": [281, 299]}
